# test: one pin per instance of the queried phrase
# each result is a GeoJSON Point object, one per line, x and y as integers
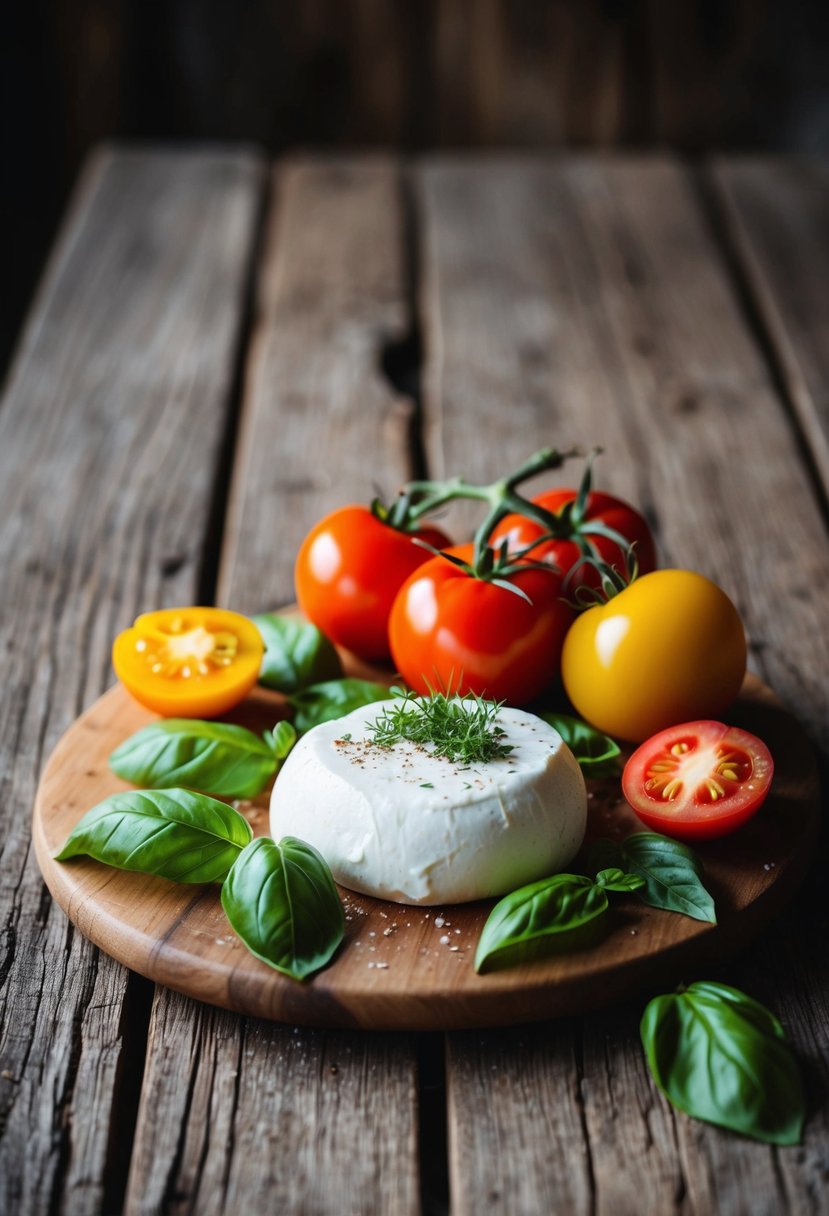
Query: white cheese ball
{"type": "Point", "coordinates": [403, 824]}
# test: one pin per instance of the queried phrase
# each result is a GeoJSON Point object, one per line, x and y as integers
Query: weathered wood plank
{"type": "Point", "coordinates": [321, 426]}
{"type": "Point", "coordinates": [110, 436]}
{"type": "Point", "coordinates": [777, 215]}
{"type": "Point", "coordinates": [585, 301]}
{"type": "Point", "coordinates": [545, 1110]}
{"type": "Point", "coordinates": [240, 1115]}
{"type": "Point", "coordinates": [319, 1121]}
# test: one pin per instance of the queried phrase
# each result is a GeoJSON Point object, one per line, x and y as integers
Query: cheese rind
{"type": "Point", "coordinates": [405, 825]}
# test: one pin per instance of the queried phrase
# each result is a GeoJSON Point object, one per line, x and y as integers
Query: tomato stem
{"type": "Point", "coordinates": [421, 498]}
{"type": "Point", "coordinates": [611, 580]}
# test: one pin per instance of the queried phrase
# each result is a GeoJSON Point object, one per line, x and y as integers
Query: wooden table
{"type": "Point", "coordinates": [221, 351]}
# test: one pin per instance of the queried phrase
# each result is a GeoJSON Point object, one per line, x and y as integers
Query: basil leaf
{"type": "Point", "coordinates": [720, 1056]}
{"type": "Point", "coordinates": [556, 914]}
{"type": "Point", "coordinates": [282, 738]}
{"type": "Point", "coordinates": [175, 834]}
{"type": "Point", "coordinates": [617, 880]}
{"type": "Point", "coordinates": [282, 902]}
{"type": "Point", "coordinates": [334, 699]}
{"type": "Point", "coordinates": [671, 871]}
{"type": "Point", "coordinates": [597, 754]}
{"type": "Point", "coordinates": [296, 653]}
{"type": "Point", "coordinates": [215, 757]}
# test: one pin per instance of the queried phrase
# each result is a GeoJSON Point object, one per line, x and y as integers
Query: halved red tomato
{"type": "Point", "coordinates": [698, 780]}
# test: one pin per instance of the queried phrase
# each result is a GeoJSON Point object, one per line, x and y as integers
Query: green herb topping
{"type": "Point", "coordinates": [460, 728]}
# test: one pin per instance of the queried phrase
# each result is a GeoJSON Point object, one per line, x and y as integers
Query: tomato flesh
{"type": "Point", "coordinates": [189, 662]}
{"type": "Point", "coordinates": [698, 780]}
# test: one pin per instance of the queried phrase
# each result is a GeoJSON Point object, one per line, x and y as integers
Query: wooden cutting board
{"type": "Point", "coordinates": [404, 967]}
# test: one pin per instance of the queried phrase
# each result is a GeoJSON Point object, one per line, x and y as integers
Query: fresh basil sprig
{"type": "Point", "coordinates": [598, 754]}
{"type": "Point", "coordinates": [297, 654]}
{"type": "Point", "coordinates": [214, 757]}
{"type": "Point", "coordinates": [565, 912]}
{"type": "Point", "coordinates": [334, 699]}
{"type": "Point", "coordinates": [721, 1056]}
{"type": "Point", "coordinates": [175, 834]}
{"type": "Point", "coordinates": [282, 902]}
{"type": "Point", "coordinates": [671, 872]}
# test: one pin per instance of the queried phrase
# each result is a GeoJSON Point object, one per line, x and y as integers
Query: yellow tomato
{"type": "Point", "coordinates": [669, 648]}
{"type": "Point", "coordinates": [189, 662]}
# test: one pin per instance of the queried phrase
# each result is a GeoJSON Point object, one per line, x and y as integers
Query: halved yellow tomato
{"type": "Point", "coordinates": [189, 662]}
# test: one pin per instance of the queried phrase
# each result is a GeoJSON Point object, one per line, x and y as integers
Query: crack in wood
{"type": "Point", "coordinates": [401, 358]}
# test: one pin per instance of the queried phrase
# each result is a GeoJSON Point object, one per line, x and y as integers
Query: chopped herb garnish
{"type": "Point", "coordinates": [459, 728]}
{"type": "Point", "coordinates": [426, 785]}
{"type": "Point", "coordinates": [345, 738]}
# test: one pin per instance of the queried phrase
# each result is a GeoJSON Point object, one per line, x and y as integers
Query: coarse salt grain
{"type": "Point", "coordinates": [444, 941]}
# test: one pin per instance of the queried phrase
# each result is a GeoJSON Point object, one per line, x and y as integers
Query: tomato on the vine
{"type": "Point", "coordinates": [592, 522]}
{"type": "Point", "coordinates": [668, 648]}
{"type": "Point", "coordinates": [698, 780]}
{"type": "Point", "coordinates": [455, 632]}
{"type": "Point", "coordinates": [349, 569]}
{"type": "Point", "coordinates": [189, 662]}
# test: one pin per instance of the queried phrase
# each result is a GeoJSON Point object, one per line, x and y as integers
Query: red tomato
{"type": "Point", "coordinates": [698, 780]}
{"type": "Point", "coordinates": [457, 633]}
{"type": "Point", "coordinates": [601, 508]}
{"type": "Point", "coordinates": [349, 569]}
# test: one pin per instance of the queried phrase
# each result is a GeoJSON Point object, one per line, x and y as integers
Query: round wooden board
{"type": "Point", "coordinates": [404, 967]}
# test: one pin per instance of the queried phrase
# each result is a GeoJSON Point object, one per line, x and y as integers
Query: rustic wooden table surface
{"type": "Point", "coordinates": [220, 352]}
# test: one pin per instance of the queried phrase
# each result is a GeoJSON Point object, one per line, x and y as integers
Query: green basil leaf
{"type": "Point", "coordinates": [720, 1056]}
{"type": "Point", "coordinates": [671, 871]}
{"type": "Point", "coordinates": [334, 699]}
{"type": "Point", "coordinates": [215, 757]}
{"type": "Point", "coordinates": [282, 902]}
{"type": "Point", "coordinates": [175, 834]}
{"type": "Point", "coordinates": [763, 1018]}
{"type": "Point", "coordinates": [282, 738]}
{"type": "Point", "coordinates": [296, 653]}
{"type": "Point", "coordinates": [597, 754]}
{"type": "Point", "coordinates": [614, 879]}
{"type": "Point", "coordinates": [561, 913]}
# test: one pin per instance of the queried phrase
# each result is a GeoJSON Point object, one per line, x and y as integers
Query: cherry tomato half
{"type": "Point", "coordinates": [612, 512]}
{"type": "Point", "coordinates": [698, 780]}
{"type": "Point", "coordinates": [349, 569]}
{"type": "Point", "coordinates": [189, 662]}
{"type": "Point", "coordinates": [667, 649]}
{"type": "Point", "coordinates": [457, 633]}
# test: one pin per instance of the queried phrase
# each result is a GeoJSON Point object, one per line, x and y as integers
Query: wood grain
{"type": "Point", "coordinates": [777, 213]}
{"type": "Point", "coordinates": [232, 1101]}
{"type": "Point", "coordinates": [585, 301]}
{"type": "Point", "coordinates": [110, 433]}
{"type": "Point", "coordinates": [178, 936]}
{"type": "Point", "coordinates": [319, 425]}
